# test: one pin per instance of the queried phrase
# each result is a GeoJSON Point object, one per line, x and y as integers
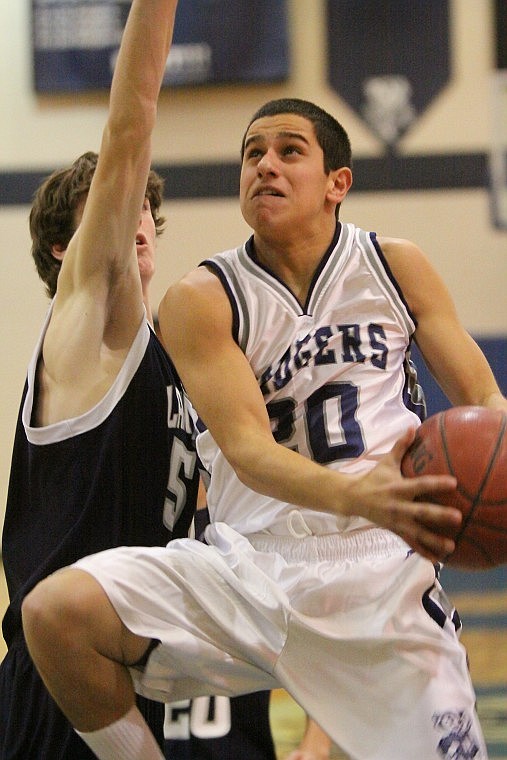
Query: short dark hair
{"type": "Point", "coordinates": [52, 216]}
{"type": "Point", "coordinates": [331, 136]}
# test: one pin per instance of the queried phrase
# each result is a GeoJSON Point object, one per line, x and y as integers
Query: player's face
{"type": "Point", "coordinates": [283, 185]}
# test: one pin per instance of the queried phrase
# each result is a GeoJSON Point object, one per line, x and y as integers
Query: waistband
{"type": "Point", "coordinates": [356, 545]}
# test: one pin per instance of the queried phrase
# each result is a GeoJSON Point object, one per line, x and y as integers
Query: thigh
{"type": "Point", "coordinates": [385, 663]}
{"type": "Point", "coordinates": [220, 620]}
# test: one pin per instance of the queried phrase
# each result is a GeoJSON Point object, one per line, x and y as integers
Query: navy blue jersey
{"type": "Point", "coordinates": [220, 728]}
{"type": "Point", "coordinates": [123, 474]}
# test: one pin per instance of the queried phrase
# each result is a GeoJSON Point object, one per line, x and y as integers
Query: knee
{"type": "Point", "coordinates": [53, 611]}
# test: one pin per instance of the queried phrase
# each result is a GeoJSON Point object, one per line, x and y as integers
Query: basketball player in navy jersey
{"type": "Point", "coordinates": [319, 571]}
{"type": "Point", "coordinates": [103, 453]}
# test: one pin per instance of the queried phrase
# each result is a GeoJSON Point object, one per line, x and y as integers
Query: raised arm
{"type": "Point", "coordinates": [111, 216]}
{"type": "Point", "coordinates": [98, 306]}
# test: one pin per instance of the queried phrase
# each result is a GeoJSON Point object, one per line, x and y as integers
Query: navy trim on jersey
{"type": "Point", "coordinates": [373, 237]}
{"type": "Point", "coordinates": [321, 265]}
{"type": "Point", "coordinates": [263, 274]}
{"type": "Point", "coordinates": [414, 397]}
{"type": "Point", "coordinates": [250, 251]}
{"type": "Point", "coordinates": [235, 312]}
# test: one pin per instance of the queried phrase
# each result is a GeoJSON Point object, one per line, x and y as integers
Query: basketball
{"type": "Point", "coordinates": [470, 443]}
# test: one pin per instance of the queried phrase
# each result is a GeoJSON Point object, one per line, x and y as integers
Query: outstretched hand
{"type": "Point", "coordinates": [405, 506]}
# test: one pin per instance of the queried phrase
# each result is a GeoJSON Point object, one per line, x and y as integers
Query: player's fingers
{"type": "Point", "coordinates": [432, 546]}
{"type": "Point", "coordinates": [402, 444]}
{"type": "Point", "coordinates": [428, 486]}
{"type": "Point", "coordinates": [438, 518]}
{"type": "Point", "coordinates": [431, 531]}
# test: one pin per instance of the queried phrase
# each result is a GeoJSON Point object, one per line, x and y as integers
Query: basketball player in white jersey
{"type": "Point", "coordinates": [320, 572]}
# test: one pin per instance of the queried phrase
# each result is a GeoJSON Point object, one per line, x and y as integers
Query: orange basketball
{"type": "Point", "coordinates": [469, 442]}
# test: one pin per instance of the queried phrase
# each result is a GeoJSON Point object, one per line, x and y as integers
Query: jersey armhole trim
{"type": "Point", "coordinates": [218, 272]}
{"type": "Point", "coordinates": [60, 431]}
{"type": "Point", "coordinates": [381, 255]}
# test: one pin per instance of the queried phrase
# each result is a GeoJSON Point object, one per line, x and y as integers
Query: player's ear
{"type": "Point", "coordinates": [340, 181]}
{"type": "Point", "coordinates": [58, 251]}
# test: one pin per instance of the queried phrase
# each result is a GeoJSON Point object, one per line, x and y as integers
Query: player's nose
{"type": "Point", "coordinates": [268, 163]}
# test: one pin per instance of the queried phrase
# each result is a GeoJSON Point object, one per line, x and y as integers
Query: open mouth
{"type": "Point", "coordinates": [268, 191]}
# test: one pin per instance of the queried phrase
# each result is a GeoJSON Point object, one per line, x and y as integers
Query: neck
{"type": "Point", "coordinates": [294, 262]}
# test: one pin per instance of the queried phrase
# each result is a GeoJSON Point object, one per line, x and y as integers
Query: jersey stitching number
{"type": "Point", "coordinates": [182, 463]}
{"type": "Point", "coordinates": [329, 415]}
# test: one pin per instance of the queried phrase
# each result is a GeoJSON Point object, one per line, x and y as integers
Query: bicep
{"type": "Point", "coordinates": [196, 326]}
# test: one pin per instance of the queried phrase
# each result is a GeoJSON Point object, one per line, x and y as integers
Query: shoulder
{"type": "Point", "coordinates": [392, 246]}
{"type": "Point", "coordinates": [194, 309]}
{"type": "Point", "coordinates": [420, 281]}
{"type": "Point", "coordinates": [199, 289]}
{"type": "Point", "coordinates": [403, 256]}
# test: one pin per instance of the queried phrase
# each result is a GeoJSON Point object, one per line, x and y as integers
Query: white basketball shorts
{"type": "Point", "coordinates": [354, 626]}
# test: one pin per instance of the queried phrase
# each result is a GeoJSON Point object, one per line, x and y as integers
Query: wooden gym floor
{"type": "Point", "coordinates": [481, 599]}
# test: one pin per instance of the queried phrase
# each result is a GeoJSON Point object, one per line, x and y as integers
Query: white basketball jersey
{"type": "Point", "coordinates": [335, 372]}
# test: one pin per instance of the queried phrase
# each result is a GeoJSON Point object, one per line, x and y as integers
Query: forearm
{"type": "Point", "coordinates": [270, 468]}
{"type": "Point", "coordinates": [119, 183]}
{"type": "Point", "coordinates": [138, 73]}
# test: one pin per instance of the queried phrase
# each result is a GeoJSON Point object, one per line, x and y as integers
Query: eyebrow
{"type": "Point", "coordinates": [280, 135]}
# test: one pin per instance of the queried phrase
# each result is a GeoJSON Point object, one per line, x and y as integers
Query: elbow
{"type": "Point", "coordinates": [250, 464]}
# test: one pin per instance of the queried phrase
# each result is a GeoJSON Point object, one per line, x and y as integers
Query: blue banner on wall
{"type": "Point", "coordinates": [75, 42]}
{"type": "Point", "coordinates": [388, 59]}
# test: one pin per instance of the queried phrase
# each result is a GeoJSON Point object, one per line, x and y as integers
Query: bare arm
{"type": "Point", "coordinates": [196, 325]}
{"type": "Point", "coordinates": [453, 357]}
{"type": "Point", "coordinates": [99, 302]}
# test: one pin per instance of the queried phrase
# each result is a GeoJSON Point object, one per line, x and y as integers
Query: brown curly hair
{"type": "Point", "coordinates": [52, 216]}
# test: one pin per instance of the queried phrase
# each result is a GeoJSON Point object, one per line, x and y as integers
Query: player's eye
{"type": "Point", "coordinates": [290, 150]}
{"type": "Point", "coordinates": [253, 153]}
